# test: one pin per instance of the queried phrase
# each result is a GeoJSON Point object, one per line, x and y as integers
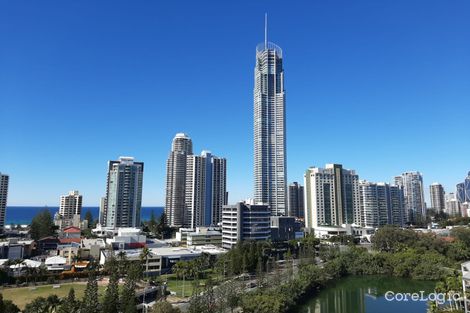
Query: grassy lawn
{"type": "Point", "coordinates": [176, 285]}
{"type": "Point", "coordinates": [24, 295]}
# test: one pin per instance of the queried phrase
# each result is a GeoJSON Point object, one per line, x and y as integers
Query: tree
{"type": "Point", "coordinates": [392, 239]}
{"type": "Point", "coordinates": [111, 297]}
{"type": "Point", "coordinates": [228, 295]}
{"type": "Point", "coordinates": [461, 234]}
{"type": "Point", "coordinates": [89, 219]}
{"type": "Point", "coordinates": [163, 230]}
{"type": "Point", "coordinates": [144, 255]}
{"type": "Point", "coordinates": [69, 304]}
{"type": "Point", "coordinates": [7, 306]}
{"type": "Point", "coordinates": [204, 302]}
{"type": "Point", "coordinates": [128, 303]}
{"type": "Point", "coordinates": [43, 305]}
{"type": "Point", "coordinates": [42, 225]}
{"type": "Point", "coordinates": [152, 223]}
{"type": "Point", "coordinates": [164, 307]}
{"type": "Point", "coordinates": [90, 303]}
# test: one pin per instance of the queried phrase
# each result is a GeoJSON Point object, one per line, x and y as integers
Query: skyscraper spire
{"type": "Point", "coordinates": [265, 30]}
{"type": "Point", "coordinates": [269, 127]}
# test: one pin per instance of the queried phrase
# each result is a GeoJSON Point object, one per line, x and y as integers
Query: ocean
{"type": "Point", "coordinates": [24, 214]}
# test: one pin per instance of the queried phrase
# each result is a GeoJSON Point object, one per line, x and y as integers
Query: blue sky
{"type": "Point", "coordinates": [379, 86]}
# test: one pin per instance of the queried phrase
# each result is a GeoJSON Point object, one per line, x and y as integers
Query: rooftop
{"type": "Point", "coordinates": [269, 46]}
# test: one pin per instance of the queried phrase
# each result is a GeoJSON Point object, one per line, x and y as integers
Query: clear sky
{"type": "Point", "coordinates": [379, 86]}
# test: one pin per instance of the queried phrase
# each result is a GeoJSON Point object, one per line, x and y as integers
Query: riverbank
{"type": "Point", "coordinates": [311, 278]}
{"type": "Point", "coordinates": [366, 294]}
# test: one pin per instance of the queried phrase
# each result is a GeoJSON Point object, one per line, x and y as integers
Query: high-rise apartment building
{"type": "Point", "coordinates": [332, 197]}
{"type": "Point", "coordinates": [70, 204]}
{"type": "Point", "coordinates": [381, 204]}
{"type": "Point", "coordinates": [123, 193]}
{"type": "Point", "coordinates": [397, 208]}
{"type": "Point", "coordinates": [296, 200]}
{"type": "Point", "coordinates": [102, 210]}
{"type": "Point", "coordinates": [438, 200]}
{"type": "Point", "coordinates": [205, 189]}
{"type": "Point", "coordinates": [182, 146]}
{"type": "Point", "coordinates": [452, 205]}
{"type": "Point", "coordinates": [245, 221]}
{"type": "Point", "coordinates": [4, 179]}
{"type": "Point", "coordinates": [463, 190]}
{"type": "Point", "coordinates": [270, 129]}
{"type": "Point", "coordinates": [70, 210]}
{"type": "Point", "coordinates": [412, 183]}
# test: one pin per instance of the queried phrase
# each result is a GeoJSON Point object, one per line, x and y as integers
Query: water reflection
{"type": "Point", "coordinates": [366, 295]}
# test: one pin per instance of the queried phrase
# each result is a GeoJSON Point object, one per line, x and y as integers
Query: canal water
{"type": "Point", "coordinates": [367, 294]}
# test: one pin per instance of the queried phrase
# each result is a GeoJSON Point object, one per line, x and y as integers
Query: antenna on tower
{"type": "Point", "coordinates": [265, 30]}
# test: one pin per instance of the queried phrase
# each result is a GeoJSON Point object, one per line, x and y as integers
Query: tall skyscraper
{"type": "Point", "coordinates": [123, 193]}
{"type": "Point", "coordinates": [438, 201]}
{"type": "Point", "coordinates": [296, 200]}
{"type": "Point", "coordinates": [270, 128]}
{"type": "Point", "coordinates": [182, 146]}
{"type": "Point", "coordinates": [381, 204]}
{"type": "Point", "coordinates": [412, 183]}
{"type": "Point", "coordinates": [205, 189]}
{"type": "Point", "coordinates": [332, 197]}
{"type": "Point", "coordinates": [70, 210]}
{"type": "Point", "coordinates": [463, 190]}
{"type": "Point", "coordinates": [3, 199]}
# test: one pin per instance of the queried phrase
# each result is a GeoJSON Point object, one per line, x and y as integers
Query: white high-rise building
{"type": "Point", "coordinates": [412, 183]}
{"type": "Point", "coordinates": [70, 204]}
{"type": "Point", "coordinates": [4, 179]}
{"type": "Point", "coordinates": [381, 204]}
{"type": "Point", "coordinates": [70, 210]}
{"type": "Point", "coordinates": [123, 193]}
{"type": "Point", "coordinates": [176, 180]}
{"type": "Point", "coordinates": [270, 129]}
{"type": "Point", "coordinates": [205, 189]}
{"type": "Point", "coordinates": [438, 201]}
{"type": "Point", "coordinates": [332, 197]}
{"type": "Point", "coordinates": [453, 205]}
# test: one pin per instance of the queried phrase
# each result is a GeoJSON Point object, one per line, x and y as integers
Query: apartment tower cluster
{"type": "Point", "coordinates": [195, 186]}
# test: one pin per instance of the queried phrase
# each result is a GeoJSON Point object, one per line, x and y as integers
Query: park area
{"type": "Point", "coordinates": [23, 295]}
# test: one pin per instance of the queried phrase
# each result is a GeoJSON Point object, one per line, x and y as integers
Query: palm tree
{"type": "Point", "coordinates": [122, 255]}
{"type": "Point", "coordinates": [52, 303]}
{"type": "Point", "coordinates": [144, 256]}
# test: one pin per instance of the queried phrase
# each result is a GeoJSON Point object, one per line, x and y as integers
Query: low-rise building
{"type": "Point", "coordinates": [362, 233]}
{"type": "Point", "coordinates": [465, 267]}
{"type": "Point", "coordinates": [47, 245]}
{"type": "Point", "coordinates": [204, 236]}
{"type": "Point", "coordinates": [71, 232]}
{"type": "Point", "coordinates": [284, 228]}
{"type": "Point", "coordinates": [182, 235]}
{"type": "Point", "coordinates": [170, 256]}
{"type": "Point", "coordinates": [69, 251]}
{"type": "Point", "coordinates": [14, 249]}
{"type": "Point", "coordinates": [19, 267]}
{"type": "Point", "coordinates": [244, 221]}
{"type": "Point", "coordinates": [91, 248]}
{"type": "Point", "coordinates": [56, 264]}
{"type": "Point", "coordinates": [158, 260]}
{"type": "Point", "coordinates": [127, 238]}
